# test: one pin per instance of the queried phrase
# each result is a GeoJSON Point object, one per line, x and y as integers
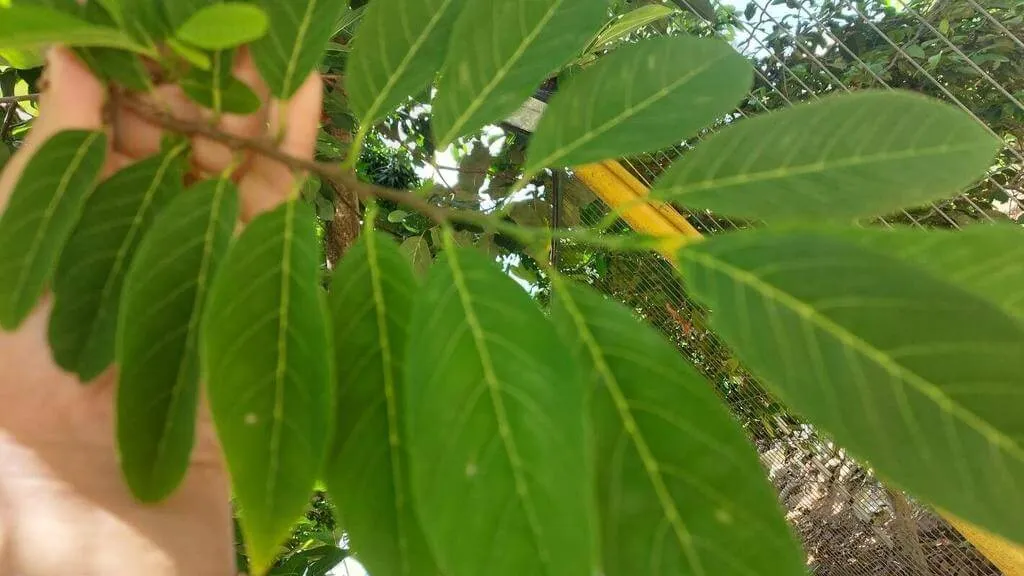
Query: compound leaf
{"type": "Point", "coordinates": [92, 268]}
{"type": "Point", "coordinates": [267, 367]}
{"type": "Point", "coordinates": [367, 471]}
{"type": "Point", "coordinates": [390, 62]}
{"type": "Point", "coordinates": [680, 488]}
{"type": "Point", "coordinates": [495, 427]}
{"type": "Point", "coordinates": [903, 367]}
{"type": "Point", "coordinates": [838, 159]}
{"type": "Point", "coordinates": [500, 52]}
{"type": "Point", "coordinates": [40, 216]}
{"type": "Point", "coordinates": [638, 99]}
{"type": "Point", "coordinates": [299, 30]}
{"type": "Point", "coordinates": [158, 336]}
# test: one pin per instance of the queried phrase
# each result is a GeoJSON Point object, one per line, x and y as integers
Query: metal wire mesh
{"type": "Point", "coordinates": [850, 523]}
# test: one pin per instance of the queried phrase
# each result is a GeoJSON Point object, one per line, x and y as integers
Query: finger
{"type": "Point", "coordinates": [214, 157]}
{"type": "Point", "coordinates": [137, 137]}
{"type": "Point", "coordinates": [72, 99]}
{"type": "Point", "coordinates": [269, 182]}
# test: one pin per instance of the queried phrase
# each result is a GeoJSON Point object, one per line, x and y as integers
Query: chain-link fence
{"type": "Point", "coordinates": [967, 52]}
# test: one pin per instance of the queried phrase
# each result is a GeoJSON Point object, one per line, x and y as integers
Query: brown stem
{"type": "Point", "coordinates": [347, 181]}
{"type": "Point", "coordinates": [16, 99]}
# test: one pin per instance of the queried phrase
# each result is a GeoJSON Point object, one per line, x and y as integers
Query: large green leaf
{"type": "Point", "coordinates": [31, 26]}
{"type": "Point", "coordinates": [686, 84]}
{"type": "Point", "coordinates": [500, 53]}
{"type": "Point", "coordinates": [983, 259]}
{"type": "Point", "coordinates": [158, 334]}
{"type": "Point", "coordinates": [41, 214]}
{"type": "Point", "coordinates": [299, 31]}
{"type": "Point", "coordinates": [91, 271]}
{"type": "Point", "coordinates": [224, 25]}
{"type": "Point", "coordinates": [901, 366]}
{"type": "Point", "coordinates": [217, 89]}
{"type": "Point", "coordinates": [267, 366]}
{"type": "Point", "coordinates": [838, 159]}
{"type": "Point", "coordinates": [393, 60]}
{"type": "Point", "coordinates": [495, 425]}
{"type": "Point", "coordinates": [367, 472]}
{"type": "Point", "coordinates": [680, 488]}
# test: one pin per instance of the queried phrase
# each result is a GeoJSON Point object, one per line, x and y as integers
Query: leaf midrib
{"type": "Point", "coordinates": [890, 366]}
{"type": "Point", "coordinates": [629, 425]}
{"type": "Point", "coordinates": [502, 72]}
{"type": "Point", "coordinates": [281, 367]}
{"type": "Point", "coordinates": [622, 117]}
{"type": "Point", "coordinates": [404, 64]}
{"type": "Point", "coordinates": [194, 318]}
{"type": "Point", "coordinates": [391, 404]}
{"type": "Point", "coordinates": [809, 168]}
{"type": "Point", "coordinates": [293, 60]}
{"type": "Point", "coordinates": [493, 385]}
{"type": "Point", "coordinates": [62, 186]}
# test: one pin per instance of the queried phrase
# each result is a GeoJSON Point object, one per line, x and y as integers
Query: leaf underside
{"type": "Point", "coordinates": [40, 215]}
{"type": "Point", "coordinates": [157, 348]}
{"type": "Point", "coordinates": [516, 46]}
{"type": "Point", "coordinates": [295, 42]}
{"type": "Point", "coordinates": [92, 267]}
{"type": "Point", "coordinates": [389, 63]}
{"type": "Point", "coordinates": [367, 471]}
{"type": "Point", "coordinates": [877, 352]}
{"type": "Point", "coordinates": [267, 367]}
{"type": "Point", "coordinates": [640, 98]}
{"type": "Point", "coordinates": [837, 159]}
{"type": "Point", "coordinates": [494, 414]}
{"type": "Point", "coordinates": [680, 487]}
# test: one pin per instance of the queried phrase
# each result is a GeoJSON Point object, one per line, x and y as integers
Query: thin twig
{"type": "Point", "coordinates": [16, 99]}
{"type": "Point", "coordinates": [366, 191]}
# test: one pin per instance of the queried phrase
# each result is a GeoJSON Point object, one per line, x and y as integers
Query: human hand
{"type": "Point", "coordinates": [64, 506]}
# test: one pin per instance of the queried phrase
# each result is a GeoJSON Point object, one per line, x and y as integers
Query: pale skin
{"type": "Point", "coordinates": [64, 507]}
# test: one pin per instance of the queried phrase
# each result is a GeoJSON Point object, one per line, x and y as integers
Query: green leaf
{"type": "Point", "coordinates": [367, 472]}
{"type": "Point", "coordinates": [299, 30]}
{"type": "Point", "coordinates": [686, 83]}
{"type": "Point", "coordinates": [391, 61]}
{"type": "Point", "coordinates": [22, 59]}
{"type": "Point", "coordinates": [113, 65]}
{"type": "Point", "coordinates": [417, 252]}
{"type": "Point", "coordinates": [702, 8]}
{"type": "Point", "coordinates": [148, 20]}
{"type": "Point", "coordinates": [224, 25]}
{"type": "Point", "coordinates": [40, 216]}
{"type": "Point", "coordinates": [680, 488]}
{"type": "Point", "coordinates": [92, 268]}
{"type": "Point", "coordinates": [500, 53]}
{"type": "Point", "coordinates": [495, 426]}
{"type": "Point", "coordinates": [218, 90]}
{"type": "Point", "coordinates": [157, 349]}
{"type": "Point", "coordinates": [915, 51]}
{"type": "Point", "coordinates": [267, 367]}
{"type": "Point", "coordinates": [837, 159]}
{"type": "Point", "coordinates": [631, 22]}
{"type": "Point", "coordinates": [901, 366]}
{"type": "Point", "coordinates": [35, 27]}
{"type": "Point", "coordinates": [982, 259]}
{"type": "Point", "coordinates": [193, 56]}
